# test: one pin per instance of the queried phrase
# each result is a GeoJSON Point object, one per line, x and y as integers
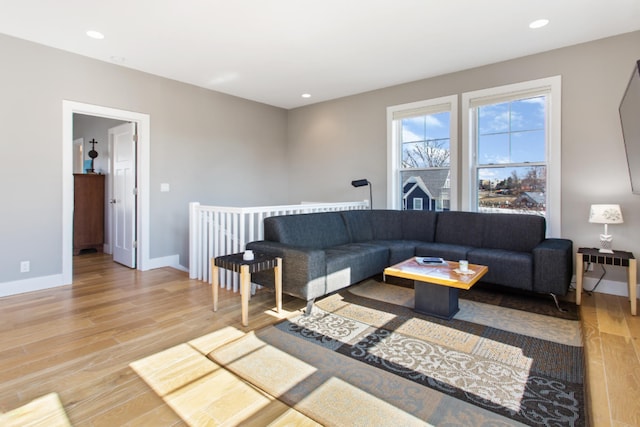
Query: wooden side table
{"type": "Point", "coordinates": [236, 263]}
{"type": "Point", "coordinates": [619, 258]}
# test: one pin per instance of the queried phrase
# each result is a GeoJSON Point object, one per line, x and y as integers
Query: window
{"type": "Point", "coordinates": [417, 204]}
{"type": "Point", "coordinates": [422, 154]}
{"type": "Point", "coordinates": [511, 152]}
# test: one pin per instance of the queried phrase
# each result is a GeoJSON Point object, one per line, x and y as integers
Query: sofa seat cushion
{"type": "Point", "coordinates": [448, 251]}
{"type": "Point", "coordinates": [506, 268]}
{"type": "Point", "coordinates": [399, 250]}
{"type": "Point", "coordinates": [353, 262]}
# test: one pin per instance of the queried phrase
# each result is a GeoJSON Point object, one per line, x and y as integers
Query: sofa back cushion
{"type": "Point", "coordinates": [315, 230]}
{"type": "Point", "coordinates": [460, 228]}
{"type": "Point", "coordinates": [419, 225]}
{"type": "Point", "coordinates": [358, 225]}
{"type": "Point", "coordinates": [513, 232]}
{"type": "Point", "coordinates": [386, 224]}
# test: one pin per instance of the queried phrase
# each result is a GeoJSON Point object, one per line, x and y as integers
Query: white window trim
{"type": "Point", "coordinates": [415, 199]}
{"type": "Point", "coordinates": [553, 87]}
{"type": "Point", "coordinates": [394, 149]}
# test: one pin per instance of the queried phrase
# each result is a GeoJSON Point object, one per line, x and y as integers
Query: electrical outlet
{"type": "Point", "coordinates": [25, 266]}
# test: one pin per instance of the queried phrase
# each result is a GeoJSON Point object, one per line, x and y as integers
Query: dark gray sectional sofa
{"type": "Point", "coordinates": [325, 252]}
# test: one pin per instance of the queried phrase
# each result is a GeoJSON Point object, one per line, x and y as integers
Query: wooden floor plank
{"type": "Point", "coordinates": [597, 399]}
{"type": "Point", "coordinates": [611, 317]}
{"type": "Point", "coordinates": [78, 341]}
{"type": "Point", "coordinates": [619, 354]}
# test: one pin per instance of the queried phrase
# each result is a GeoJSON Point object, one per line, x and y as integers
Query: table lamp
{"type": "Point", "coordinates": [605, 214]}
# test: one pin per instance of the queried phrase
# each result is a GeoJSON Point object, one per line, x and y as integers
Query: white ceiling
{"type": "Point", "coordinates": [272, 51]}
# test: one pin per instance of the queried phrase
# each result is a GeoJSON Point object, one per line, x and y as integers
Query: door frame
{"type": "Point", "coordinates": [69, 108]}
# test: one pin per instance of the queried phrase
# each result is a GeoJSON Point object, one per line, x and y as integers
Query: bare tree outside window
{"type": "Point", "coordinates": [433, 153]}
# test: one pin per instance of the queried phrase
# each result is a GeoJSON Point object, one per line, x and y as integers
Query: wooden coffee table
{"type": "Point", "coordinates": [436, 286]}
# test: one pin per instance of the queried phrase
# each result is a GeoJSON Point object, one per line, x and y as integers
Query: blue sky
{"type": "Point", "coordinates": [525, 143]}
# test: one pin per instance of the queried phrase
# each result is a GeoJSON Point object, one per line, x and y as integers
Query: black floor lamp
{"type": "Point", "coordinates": [362, 183]}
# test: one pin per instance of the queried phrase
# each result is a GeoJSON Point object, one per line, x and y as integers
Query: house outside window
{"type": "Point", "coordinates": [423, 154]}
{"type": "Point", "coordinates": [511, 151]}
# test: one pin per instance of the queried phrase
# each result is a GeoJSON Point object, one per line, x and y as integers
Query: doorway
{"type": "Point", "coordinates": [142, 122]}
{"type": "Point", "coordinates": [93, 184]}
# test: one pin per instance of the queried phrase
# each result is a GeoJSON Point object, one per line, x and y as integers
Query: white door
{"type": "Point", "coordinates": [123, 200]}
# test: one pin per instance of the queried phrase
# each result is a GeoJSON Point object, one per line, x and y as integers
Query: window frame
{"type": "Point", "coordinates": [416, 199]}
{"type": "Point", "coordinates": [394, 144]}
{"type": "Point", "coordinates": [551, 87]}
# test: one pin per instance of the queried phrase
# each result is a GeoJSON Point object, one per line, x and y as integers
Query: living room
{"type": "Point", "coordinates": [286, 156]}
{"type": "Point", "coordinates": [219, 149]}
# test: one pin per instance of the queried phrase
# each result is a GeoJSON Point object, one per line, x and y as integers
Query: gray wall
{"type": "Point", "coordinates": [210, 147]}
{"type": "Point", "coordinates": [223, 150]}
{"type": "Point", "coordinates": [91, 127]}
{"type": "Point", "coordinates": [330, 144]}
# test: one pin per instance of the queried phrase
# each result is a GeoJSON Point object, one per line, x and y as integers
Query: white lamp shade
{"type": "Point", "coordinates": [605, 214]}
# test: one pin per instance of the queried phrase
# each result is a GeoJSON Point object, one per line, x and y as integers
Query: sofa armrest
{"type": "Point", "coordinates": [301, 267]}
{"type": "Point", "coordinates": [553, 266]}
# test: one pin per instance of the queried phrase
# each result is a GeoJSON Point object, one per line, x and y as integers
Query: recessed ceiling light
{"type": "Point", "coordinates": [539, 23]}
{"type": "Point", "coordinates": [306, 95]}
{"type": "Point", "coordinates": [95, 34]}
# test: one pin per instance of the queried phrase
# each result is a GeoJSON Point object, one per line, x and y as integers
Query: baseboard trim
{"type": "Point", "coordinates": [610, 287]}
{"type": "Point", "coordinates": [30, 285]}
{"type": "Point", "coordinates": [172, 261]}
{"type": "Point", "coordinates": [46, 282]}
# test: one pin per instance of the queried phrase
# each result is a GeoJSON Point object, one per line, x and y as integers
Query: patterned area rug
{"type": "Point", "coordinates": [364, 357]}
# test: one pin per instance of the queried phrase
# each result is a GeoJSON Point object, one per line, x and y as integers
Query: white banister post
{"type": "Point", "coordinates": [235, 246]}
{"type": "Point", "coordinates": [194, 231]}
{"type": "Point", "coordinates": [202, 226]}
{"type": "Point", "coordinates": [261, 217]}
{"type": "Point", "coordinates": [252, 229]}
{"type": "Point", "coordinates": [210, 246]}
{"type": "Point", "coordinates": [216, 233]}
{"type": "Point", "coordinates": [241, 232]}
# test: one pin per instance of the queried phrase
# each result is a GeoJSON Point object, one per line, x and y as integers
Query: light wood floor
{"type": "Point", "coordinates": [79, 340]}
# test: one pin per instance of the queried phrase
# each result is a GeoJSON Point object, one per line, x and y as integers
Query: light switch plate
{"type": "Point", "coordinates": [164, 187]}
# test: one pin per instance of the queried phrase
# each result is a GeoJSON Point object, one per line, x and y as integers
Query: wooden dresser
{"type": "Point", "coordinates": [88, 212]}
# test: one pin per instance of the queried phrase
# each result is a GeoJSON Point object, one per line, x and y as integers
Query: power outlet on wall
{"type": "Point", "coordinates": [25, 266]}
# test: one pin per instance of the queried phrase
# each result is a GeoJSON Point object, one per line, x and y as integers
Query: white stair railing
{"type": "Point", "coordinates": [222, 230]}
